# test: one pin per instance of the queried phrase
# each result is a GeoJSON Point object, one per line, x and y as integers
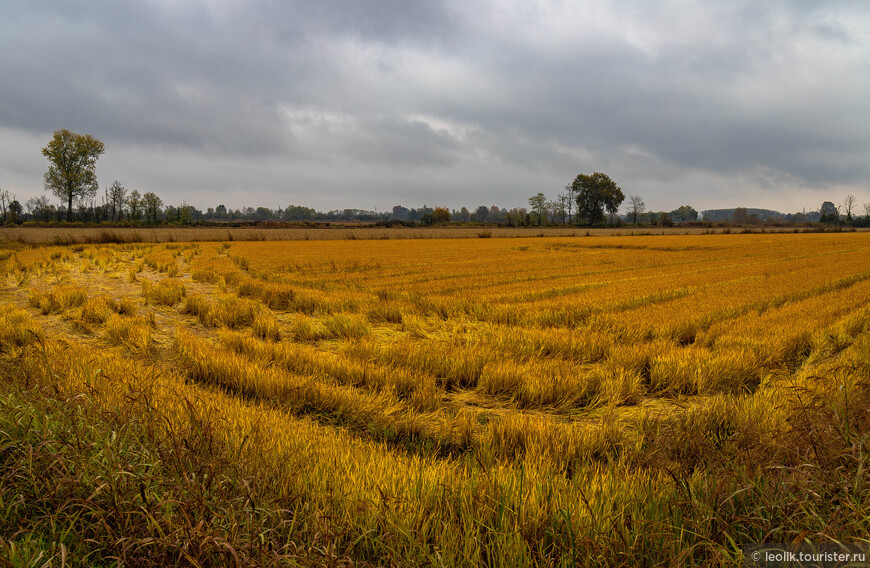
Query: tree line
{"type": "Point", "coordinates": [590, 199]}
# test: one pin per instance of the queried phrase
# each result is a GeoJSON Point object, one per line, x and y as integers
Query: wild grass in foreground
{"type": "Point", "coordinates": [105, 462]}
{"type": "Point", "coordinates": [83, 485]}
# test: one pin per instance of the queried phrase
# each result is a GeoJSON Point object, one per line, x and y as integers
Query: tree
{"type": "Point", "coordinates": [15, 210]}
{"type": "Point", "coordinates": [10, 208]}
{"type": "Point", "coordinates": [72, 158]}
{"type": "Point", "coordinates": [263, 214]}
{"type": "Point", "coordinates": [170, 214]}
{"type": "Point", "coordinates": [612, 205]}
{"type": "Point", "coordinates": [134, 205]}
{"type": "Point", "coordinates": [596, 193]}
{"type": "Point", "coordinates": [294, 213]}
{"type": "Point", "coordinates": [185, 214]}
{"type": "Point", "coordinates": [437, 215]}
{"type": "Point", "coordinates": [636, 207]}
{"type": "Point", "coordinates": [481, 213]}
{"type": "Point", "coordinates": [117, 196]}
{"type": "Point", "coordinates": [442, 215]}
{"type": "Point", "coordinates": [849, 203]}
{"type": "Point", "coordinates": [571, 199]}
{"type": "Point", "coordinates": [39, 208]}
{"type": "Point", "coordinates": [867, 209]}
{"type": "Point", "coordinates": [151, 204]}
{"type": "Point", "coordinates": [558, 208]}
{"type": "Point", "coordinates": [400, 213]}
{"type": "Point", "coordinates": [538, 203]}
{"type": "Point", "coordinates": [684, 213]}
{"type": "Point", "coordinates": [5, 199]}
{"type": "Point", "coordinates": [517, 217]}
{"type": "Point", "coordinates": [829, 213]}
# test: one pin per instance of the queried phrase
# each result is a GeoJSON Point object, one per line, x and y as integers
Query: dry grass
{"type": "Point", "coordinates": [73, 235]}
{"type": "Point", "coordinates": [168, 292]}
{"type": "Point", "coordinates": [589, 401]}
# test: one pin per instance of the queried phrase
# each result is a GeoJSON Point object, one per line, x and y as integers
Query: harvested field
{"type": "Point", "coordinates": [556, 401]}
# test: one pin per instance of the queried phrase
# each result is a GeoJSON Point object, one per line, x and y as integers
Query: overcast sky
{"type": "Point", "coordinates": [373, 103]}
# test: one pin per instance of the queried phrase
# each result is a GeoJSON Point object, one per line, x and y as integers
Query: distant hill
{"type": "Point", "coordinates": [728, 214]}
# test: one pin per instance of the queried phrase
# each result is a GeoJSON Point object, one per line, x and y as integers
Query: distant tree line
{"type": "Point", "coordinates": [118, 205]}
{"type": "Point", "coordinates": [846, 214]}
{"type": "Point", "coordinates": [590, 199]}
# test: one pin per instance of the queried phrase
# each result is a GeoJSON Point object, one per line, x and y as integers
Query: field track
{"type": "Point", "coordinates": [552, 401]}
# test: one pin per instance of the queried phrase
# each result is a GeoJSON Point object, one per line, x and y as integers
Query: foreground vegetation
{"type": "Point", "coordinates": [633, 400]}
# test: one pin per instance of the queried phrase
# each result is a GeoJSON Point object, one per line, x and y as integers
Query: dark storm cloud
{"type": "Point", "coordinates": [500, 98]}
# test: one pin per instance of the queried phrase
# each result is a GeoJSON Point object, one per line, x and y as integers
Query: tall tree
{"type": "Point", "coordinates": [849, 203]}
{"type": "Point", "coordinates": [117, 195]}
{"type": "Point", "coordinates": [558, 207]}
{"type": "Point", "coordinates": [829, 213]}
{"type": "Point", "coordinates": [569, 192]}
{"type": "Point", "coordinates": [72, 159]}
{"type": "Point", "coordinates": [15, 210]}
{"type": "Point", "coordinates": [595, 193]}
{"type": "Point", "coordinates": [399, 212]}
{"type": "Point", "coordinates": [636, 207]}
{"type": "Point", "coordinates": [612, 203]}
{"type": "Point", "coordinates": [481, 213]}
{"type": "Point", "coordinates": [538, 203]}
{"type": "Point", "coordinates": [151, 204]}
{"type": "Point", "coordinates": [134, 205]}
{"type": "Point", "coordinates": [5, 199]}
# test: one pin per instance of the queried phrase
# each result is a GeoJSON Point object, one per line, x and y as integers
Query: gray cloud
{"type": "Point", "coordinates": [463, 102]}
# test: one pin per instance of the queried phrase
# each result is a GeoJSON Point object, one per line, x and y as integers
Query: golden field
{"type": "Point", "coordinates": [556, 401]}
